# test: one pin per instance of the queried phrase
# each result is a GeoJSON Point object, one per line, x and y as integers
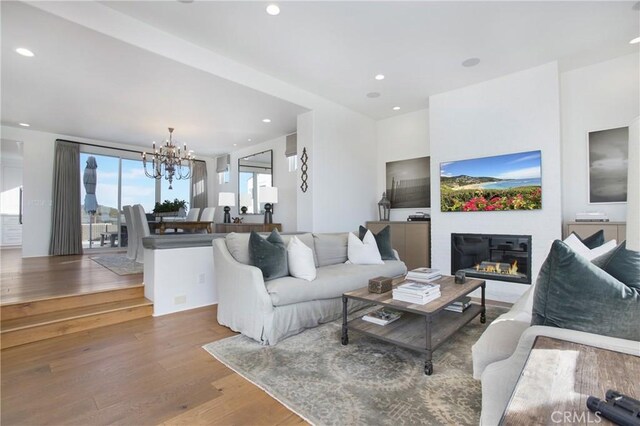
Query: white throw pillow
{"type": "Point", "coordinates": [363, 252]}
{"type": "Point", "coordinates": [576, 245]}
{"type": "Point", "coordinates": [300, 259]}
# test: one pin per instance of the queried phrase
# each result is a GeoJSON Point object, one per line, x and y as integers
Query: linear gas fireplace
{"type": "Point", "coordinates": [492, 256]}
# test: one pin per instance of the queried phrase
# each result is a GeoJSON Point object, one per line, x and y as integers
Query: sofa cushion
{"type": "Point", "coordinates": [623, 265]}
{"type": "Point", "coordinates": [592, 241]}
{"type": "Point", "coordinates": [300, 260]}
{"type": "Point", "coordinates": [575, 244]}
{"type": "Point", "coordinates": [269, 254]}
{"type": "Point", "coordinates": [238, 245]}
{"type": "Point", "coordinates": [383, 240]}
{"type": "Point", "coordinates": [363, 252]}
{"type": "Point", "coordinates": [331, 281]}
{"type": "Point", "coordinates": [573, 293]}
{"type": "Point", "coordinates": [330, 248]}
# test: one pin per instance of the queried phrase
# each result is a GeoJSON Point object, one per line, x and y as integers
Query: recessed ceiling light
{"type": "Point", "coordinates": [235, 144]}
{"type": "Point", "coordinates": [273, 9]}
{"type": "Point", "coordinates": [249, 140]}
{"type": "Point", "coordinates": [396, 108]}
{"type": "Point", "coordinates": [25, 124]}
{"type": "Point", "coordinates": [25, 52]}
{"type": "Point", "coordinates": [185, 1]}
{"type": "Point", "coordinates": [379, 77]}
{"type": "Point", "coordinates": [471, 62]}
{"type": "Point", "coordinates": [266, 120]}
{"type": "Point", "coordinates": [373, 95]}
{"type": "Point", "coordinates": [635, 40]}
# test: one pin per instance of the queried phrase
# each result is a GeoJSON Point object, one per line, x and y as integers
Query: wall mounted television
{"type": "Point", "coordinates": [503, 182]}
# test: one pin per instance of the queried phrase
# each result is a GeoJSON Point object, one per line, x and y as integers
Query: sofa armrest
{"type": "Point", "coordinates": [243, 301]}
{"type": "Point", "coordinates": [500, 378]}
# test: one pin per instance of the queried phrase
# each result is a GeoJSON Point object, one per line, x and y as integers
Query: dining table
{"type": "Point", "coordinates": [162, 226]}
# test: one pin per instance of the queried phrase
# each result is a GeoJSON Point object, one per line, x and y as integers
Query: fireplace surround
{"type": "Point", "coordinates": [496, 257]}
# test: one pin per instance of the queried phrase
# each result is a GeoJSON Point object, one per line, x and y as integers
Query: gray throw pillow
{"type": "Point", "coordinates": [622, 264]}
{"type": "Point", "coordinates": [383, 241]}
{"type": "Point", "coordinates": [270, 255]}
{"type": "Point", "coordinates": [573, 293]}
{"type": "Point", "coordinates": [594, 240]}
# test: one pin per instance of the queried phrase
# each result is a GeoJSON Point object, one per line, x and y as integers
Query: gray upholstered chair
{"type": "Point", "coordinates": [132, 234]}
{"type": "Point", "coordinates": [142, 230]}
{"type": "Point", "coordinates": [193, 214]}
{"type": "Point", "coordinates": [207, 214]}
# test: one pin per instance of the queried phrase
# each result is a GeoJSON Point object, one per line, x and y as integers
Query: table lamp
{"type": "Point", "coordinates": [227, 199]}
{"type": "Point", "coordinates": [268, 195]}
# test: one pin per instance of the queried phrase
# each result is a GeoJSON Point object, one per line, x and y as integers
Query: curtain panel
{"type": "Point", "coordinates": [199, 196]}
{"type": "Point", "coordinates": [66, 230]}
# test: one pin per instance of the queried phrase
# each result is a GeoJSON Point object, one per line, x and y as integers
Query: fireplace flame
{"type": "Point", "coordinates": [497, 268]}
{"type": "Point", "coordinates": [513, 270]}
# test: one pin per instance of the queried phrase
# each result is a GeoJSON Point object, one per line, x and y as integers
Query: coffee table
{"type": "Point", "coordinates": [421, 328]}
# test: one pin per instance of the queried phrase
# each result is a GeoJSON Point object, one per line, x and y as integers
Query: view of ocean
{"type": "Point", "coordinates": [512, 183]}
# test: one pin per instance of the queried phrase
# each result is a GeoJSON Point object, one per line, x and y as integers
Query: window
{"type": "Point", "coordinates": [223, 177]}
{"type": "Point", "coordinates": [293, 163]}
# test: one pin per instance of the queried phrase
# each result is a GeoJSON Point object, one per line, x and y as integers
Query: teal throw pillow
{"type": "Point", "coordinates": [270, 255]}
{"type": "Point", "coordinates": [622, 264]}
{"type": "Point", "coordinates": [573, 293]}
{"type": "Point", "coordinates": [592, 241]}
{"type": "Point", "coordinates": [383, 241]}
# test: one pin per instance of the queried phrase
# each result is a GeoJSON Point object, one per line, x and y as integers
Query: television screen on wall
{"type": "Point", "coordinates": [503, 182]}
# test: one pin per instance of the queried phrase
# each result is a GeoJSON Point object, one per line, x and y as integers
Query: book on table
{"type": "Point", "coordinates": [382, 316]}
{"type": "Point", "coordinates": [424, 274]}
{"type": "Point", "coordinates": [416, 292]}
{"type": "Point", "coordinates": [418, 300]}
{"type": "Point", "coordinates": [459, 305]}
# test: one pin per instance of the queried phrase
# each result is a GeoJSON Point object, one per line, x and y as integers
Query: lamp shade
{"type": "Point", "coordinates": [268, 194]}
{"type": "Point", "coordinates": [226, 199]}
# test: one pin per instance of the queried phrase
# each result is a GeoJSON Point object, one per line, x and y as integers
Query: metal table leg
{"type": "Point", "coordinates": [483, 313]}
{"type": "Point", "coordinates": [345, 335]}
{"type": "Point", "coordinates": [428, 364]}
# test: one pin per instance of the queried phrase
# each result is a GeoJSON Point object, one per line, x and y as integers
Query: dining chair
{"type": "Point", "coordinates": [207, 214]}
{"type": "Point", "coordinates": [142, 230]}
{"type": "Point", "coordinates": [192, 216]}
{"type": "Point", "coordinates": [132, 244]}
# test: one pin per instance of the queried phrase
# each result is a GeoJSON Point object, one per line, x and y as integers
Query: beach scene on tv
{"type": "Point", "coordinates": [503, 182]}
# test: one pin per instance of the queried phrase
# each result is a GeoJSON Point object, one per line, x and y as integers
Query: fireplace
{"type": "Point", "coordinates": [492, 256]}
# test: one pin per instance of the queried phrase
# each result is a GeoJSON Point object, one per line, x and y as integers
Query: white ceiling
{"type": "Point", "coordinates": [82, 83]}
{"type": "Point", "coordinates": [334, 49]}
{"type": "Point", "coordinates": [85, 83]}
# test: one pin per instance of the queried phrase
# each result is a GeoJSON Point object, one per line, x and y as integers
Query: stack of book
{"type": "Point", "coordinates": [424, 274]}
{"type": "Point", "coordinates": [416, 292]}
{"type": "Point", "coordinates": [459, 305]}
{"type": "Point", "coordinates": [382, 316]}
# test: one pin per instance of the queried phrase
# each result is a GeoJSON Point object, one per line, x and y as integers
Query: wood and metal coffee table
{"type": "Point", "coordinates": [421, 328]}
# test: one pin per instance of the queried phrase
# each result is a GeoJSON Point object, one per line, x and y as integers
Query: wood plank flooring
{"type": "Point", "coordinates": [145, 371]}
{"type": "Point", "coordinates": [38, 278]}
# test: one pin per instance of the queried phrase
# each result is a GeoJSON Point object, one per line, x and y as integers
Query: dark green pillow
{"type": "Point", "coordinates": [573, 293]}
{"type": "Point", "coordinates": [592, 241]}
{"type": "Point", "coordinates": [623, 265]}
{"type": "Point", "coordinates": [270, 255]}
{"type": "Point", "coordinates": [383, 241]}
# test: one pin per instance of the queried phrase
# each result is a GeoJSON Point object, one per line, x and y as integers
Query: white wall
{"type": "Point", "coordinates": [38, 154]}
{"type": "Point", "coordinates": [515, 113]}
{"type": "Point", "coordinates": [402, 137]}
{"type": "Point", "coordinates": [285, 211]}
{"type": "Point", "coordinates": [600, 96]}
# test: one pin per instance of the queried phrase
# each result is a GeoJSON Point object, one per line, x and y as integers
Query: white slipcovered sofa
{"type": "Point", "coordinates": [502, 350]}
{"type": "Point", "coordinates": [270, 311]}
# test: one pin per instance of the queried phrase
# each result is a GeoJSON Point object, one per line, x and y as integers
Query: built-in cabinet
{"type": "Point", "coordinates": [225, 228]}
{"type": "Point", "coordinates": [612, 230]}
{"type": "Point", "coordinates": [412, 240]}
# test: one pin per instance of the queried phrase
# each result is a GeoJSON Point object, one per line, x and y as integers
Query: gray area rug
{"type": "Point", "coordinates": [119, 264]}
{"type": "Point", "coordinates": [367, 382]}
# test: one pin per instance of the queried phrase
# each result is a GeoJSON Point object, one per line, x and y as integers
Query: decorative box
{"type": "Point", "coordinates": [380, 285]}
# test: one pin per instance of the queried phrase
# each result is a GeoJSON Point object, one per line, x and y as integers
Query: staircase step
{"type": "Point", "coordinates": [33, 328]}
{"type": "Point", "coordinates": [14, 310]}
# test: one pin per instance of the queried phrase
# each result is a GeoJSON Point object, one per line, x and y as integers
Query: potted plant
{"type": "Point", "coordinates": [170, 208]}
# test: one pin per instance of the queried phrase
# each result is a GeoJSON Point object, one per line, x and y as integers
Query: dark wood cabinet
{"type": "Point", "coordinates": [225, 228]}
{"type": "Point", "coordinates": [412, 240]}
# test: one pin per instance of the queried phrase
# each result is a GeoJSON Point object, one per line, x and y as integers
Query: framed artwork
{"type": "Point", "coordinates": [409, 183]}
{"type": "Point", "coordinates": [503, 182]}
{"type": "Point", "coordinates": [608, 169]}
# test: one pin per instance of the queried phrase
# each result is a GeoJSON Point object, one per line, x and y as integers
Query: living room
{"type": "Point", "coordinates": [361, 85]}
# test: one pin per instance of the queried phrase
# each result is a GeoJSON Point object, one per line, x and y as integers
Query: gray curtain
{"type": "Point", "coordinates": [199, 197]}
{"type": "Point", "coordinates": [66, 230]}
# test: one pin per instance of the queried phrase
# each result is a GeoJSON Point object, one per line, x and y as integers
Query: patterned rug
{"type": "Point", "coordinates": [366, 382]}
{"type": "Point", "coordinates": [119, 264]}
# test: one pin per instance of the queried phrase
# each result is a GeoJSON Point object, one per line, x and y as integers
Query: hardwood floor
{"type": "Point", "coordinates": [146, 371]}
{"type": "Point", "coordinates": [38, 278]}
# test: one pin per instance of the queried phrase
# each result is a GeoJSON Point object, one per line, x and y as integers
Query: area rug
{"type": "Point", "coordinates": [119, 264]}
{"type": "Point", "coordinates": [367, 382]}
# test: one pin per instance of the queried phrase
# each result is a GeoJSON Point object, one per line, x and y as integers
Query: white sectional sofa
{"type": "Point", "coordinates": [502, 350]}
{"type": "Point", "coordinates": [270, 311]}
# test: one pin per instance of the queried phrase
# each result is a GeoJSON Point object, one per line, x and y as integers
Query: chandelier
{"type": "Point", "coordinates": [168, 161]}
